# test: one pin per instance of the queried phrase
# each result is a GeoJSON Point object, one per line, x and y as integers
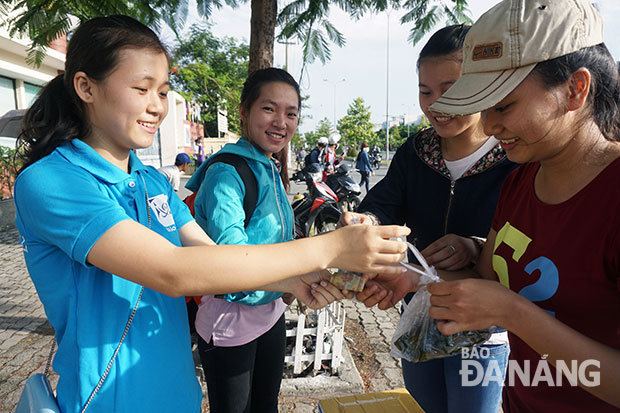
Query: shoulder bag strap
{"type": "Point", "coordinates": [131, 316]}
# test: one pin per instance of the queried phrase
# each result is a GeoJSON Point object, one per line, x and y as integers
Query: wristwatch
{"type": "Point", "coordinates": [479, 242]}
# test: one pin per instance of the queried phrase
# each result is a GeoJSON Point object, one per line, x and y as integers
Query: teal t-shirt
{"type": "Point", "coordinates": [65, 202]}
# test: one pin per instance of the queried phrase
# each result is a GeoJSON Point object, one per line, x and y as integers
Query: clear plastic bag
{"type": "Point", "coordinates": [417, 337]}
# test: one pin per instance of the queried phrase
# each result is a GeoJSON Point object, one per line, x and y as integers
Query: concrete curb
{"type": "Point", "coordinates": [348, 381]}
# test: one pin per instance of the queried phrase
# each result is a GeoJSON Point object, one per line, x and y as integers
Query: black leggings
{"type": "Point", "coordinates": [245, 378]}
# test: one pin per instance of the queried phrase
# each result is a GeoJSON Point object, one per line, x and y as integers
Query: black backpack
{"type": "Point", "coordinates": [249, 182]}
{"type": "Point", "coordinates": [308, 159]}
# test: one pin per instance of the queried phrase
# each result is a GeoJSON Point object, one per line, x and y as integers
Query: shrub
{"type": "Point", "coordinates": [9, 165]}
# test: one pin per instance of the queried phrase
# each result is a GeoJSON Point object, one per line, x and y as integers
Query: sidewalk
{"type": "Point", "coordinates": [25, 334]}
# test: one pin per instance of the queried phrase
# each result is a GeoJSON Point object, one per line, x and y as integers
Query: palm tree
{"type": "Point", "coordinates": [305, 20]}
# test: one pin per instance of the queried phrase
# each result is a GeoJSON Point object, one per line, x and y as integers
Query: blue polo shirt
{"type": "Point", "coordinates": [65, 202]}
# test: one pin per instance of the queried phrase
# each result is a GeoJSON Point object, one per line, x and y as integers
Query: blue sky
{"type": "Point", "coordinates": [363, 62]}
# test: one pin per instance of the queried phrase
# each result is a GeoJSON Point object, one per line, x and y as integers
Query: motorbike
{"type": "Point", "coordinates": [375, 160]}
{"type": "Point", "coordinates": [345, 187]}
{"type": "Point", "coordinates": [316, 211]}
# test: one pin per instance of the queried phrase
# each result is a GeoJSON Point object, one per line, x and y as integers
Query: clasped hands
{"type": "Point", "coordinates": [386, 290]}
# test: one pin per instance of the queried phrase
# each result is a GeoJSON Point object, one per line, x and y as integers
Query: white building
{"type": "Point", "coordinates": [19, 82]}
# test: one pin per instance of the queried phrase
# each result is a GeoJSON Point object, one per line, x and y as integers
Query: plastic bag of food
{"type": "Point", "coordinates": [417, 337]}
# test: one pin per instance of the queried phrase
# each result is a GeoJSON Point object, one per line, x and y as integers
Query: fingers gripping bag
{"type": "Point", "coordinates": [417, 337]}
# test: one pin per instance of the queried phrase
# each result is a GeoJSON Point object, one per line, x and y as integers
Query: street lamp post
{"type": "Point", "coordinates": [405, 123]}
{"type": "Point", "coordinates": [387, 92]}
{"type": "Point", "coordinates": [405, 117]}
{"type": "Point", "coordinates": [335, 84]}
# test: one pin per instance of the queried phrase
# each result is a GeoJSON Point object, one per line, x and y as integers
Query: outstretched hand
{"type": "Point", "coordinates": [368, 249]}
{"type": "Point", "coordinates": [386, 290]}
{"type": "Point", "coordinates": [314, 289]}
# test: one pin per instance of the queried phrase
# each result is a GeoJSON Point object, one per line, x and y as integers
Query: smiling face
{"type": "Point", "coordinates": [531, 122]}
{"type": "Point", "coordinates": [436, 75]}
{"type": "Point", "coordinates": [271, 121]}
{"type": "Point", "coordinates": [127, 107]}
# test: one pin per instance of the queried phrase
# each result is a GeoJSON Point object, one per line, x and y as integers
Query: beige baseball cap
{"type": "Point", "coordinates": [506, 42]}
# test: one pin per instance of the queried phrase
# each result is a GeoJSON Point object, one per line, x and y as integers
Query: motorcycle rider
{"type": "Point", "coordinates": [317, 155]}
{"type": "Point", "coordinates": [331, 160]}
{"type": "Point", "coordinates": [375, 151]}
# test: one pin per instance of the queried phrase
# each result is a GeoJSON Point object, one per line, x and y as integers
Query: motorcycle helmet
{"type": "Point", "coordinates": [333, 140]}
{"type": "Point", "coordinates": [323, 141]}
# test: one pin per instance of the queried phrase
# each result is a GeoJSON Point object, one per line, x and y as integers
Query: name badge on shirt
{"type": "Point", "coordinates": [159, 205]}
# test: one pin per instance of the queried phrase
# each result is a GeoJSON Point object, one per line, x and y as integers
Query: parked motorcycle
{"type": "Point", "coordinates": [316, 211]}
{"type": "Point", "coordinates": [343, 184]}
{"type": "Point", "coordinates": [375, 160]}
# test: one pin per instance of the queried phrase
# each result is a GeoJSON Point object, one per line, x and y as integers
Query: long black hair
{"type": "Point", "coordinates": [444, 41]}
{"type": "Point", "coordinates": [58, 113]}
{"type": "Point", "coordinates": [251, 92]}
{"type": "Point", "coordinates": [604, 96]}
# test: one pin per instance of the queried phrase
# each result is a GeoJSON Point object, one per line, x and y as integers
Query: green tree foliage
{"type": "Point", "coordinates": [398, 133]}
{"type": "Point", "coordinates": [297, 141]}
{"type": "Point", "coordinates": [425, 123]}
{"type": "Point", "coordinates": [45, 20]}
{"type": "Point", "coordinates": [10, 163]}
{"type": "Point", "coordinates": [211, 71]}
{"type": "Point", "coordinates": [310, 139]}
{"type": "Point", "coordinates": [324, 128]}
{"type": "Point", "coordinates": [304, 20]}
{"type": "Point", "coordinates": [355, 127]}
{"type": "Point", "coordinates": [380, 137]}
{"type": "Point", "coordinates": [307, 20]}
{"type": "Point", "coordinates": [426, 14]}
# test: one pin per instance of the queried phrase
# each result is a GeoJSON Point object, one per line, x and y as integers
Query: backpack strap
{"type": "Point", "coordinates": [249, 181]}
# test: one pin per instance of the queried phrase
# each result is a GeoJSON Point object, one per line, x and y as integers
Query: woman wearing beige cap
{"type": "Point", "coordinates": [549, 91]}
{"type": "Point", "coordinates": [444, 183]}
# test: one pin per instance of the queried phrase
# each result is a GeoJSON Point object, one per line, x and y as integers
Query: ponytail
{"type": "Point", "coordinates": [58, 115]}
{"type": "Point", "coordinates": [282, 157]}
{"type": "Point", "coordinates": [53, 119]}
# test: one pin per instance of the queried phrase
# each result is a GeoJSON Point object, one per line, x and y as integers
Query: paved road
{"type": "Point", "coordinates": [26, 336]}
{"type": "Point", "coordinates": [379, 174]}
{"type": "Point", "coordinates": [300, 188]}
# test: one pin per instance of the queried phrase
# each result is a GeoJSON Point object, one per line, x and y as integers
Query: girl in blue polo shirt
{"type": "Point", "coordinates": [97, 225]}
